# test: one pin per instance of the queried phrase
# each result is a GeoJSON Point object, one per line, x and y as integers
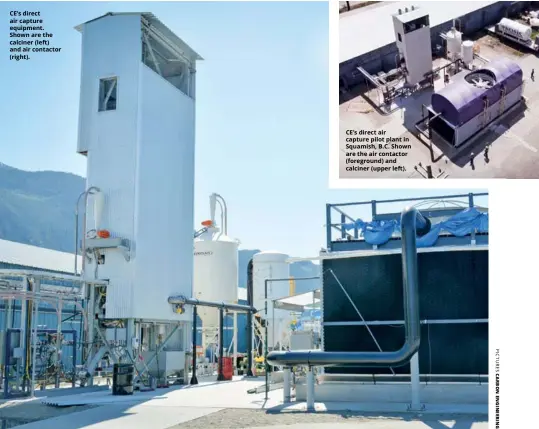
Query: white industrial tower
{"type": "Point", "coordinates": [137, 131]}
{"type": "Point", "coordinates": [412, 34]}
{"type": "Point", "coordinates": [136, 128]}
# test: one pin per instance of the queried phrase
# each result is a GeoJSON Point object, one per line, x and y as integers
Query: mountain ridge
{"type": "Point", "coordinates": [37, 208]}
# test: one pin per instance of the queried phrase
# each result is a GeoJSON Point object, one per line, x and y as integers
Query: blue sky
{"type": "Point", "coordinates": [262, 111]}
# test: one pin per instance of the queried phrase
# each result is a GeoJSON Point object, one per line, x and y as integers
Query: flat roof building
{"type": "Point", "coordinates": [367, 36]}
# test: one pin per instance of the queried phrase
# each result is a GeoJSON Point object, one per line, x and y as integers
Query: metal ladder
{"type": "Point", "coordinates": [502, 100]}
{"type": "Point", "coordinates": [484, 114]}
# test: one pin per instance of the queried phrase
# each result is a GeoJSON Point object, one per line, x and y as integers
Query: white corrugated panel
{"type": "Point", "coordinates": [37, 257]}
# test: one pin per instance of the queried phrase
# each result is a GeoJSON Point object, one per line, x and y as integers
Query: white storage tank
{"type": "Point", "coordinates": [454, 40]}
{"type": "Point", "coordinates": [467, 52]}
{"type": "Point", "coordinates": [272, 265]}
{"type": "Point", "coordinates": [215, 275]}
{"type": "Point", "coordinates": [515, 29]}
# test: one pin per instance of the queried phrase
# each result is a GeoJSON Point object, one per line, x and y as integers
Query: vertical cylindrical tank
{"type": "Point", "coordinates": [215, 275]}
{"type": "Point", "coordinates": [272, 265]}
{"type": "Point", "coordinates": [454, 40]}
{"type": "Point", "coordinates": [467, 52]}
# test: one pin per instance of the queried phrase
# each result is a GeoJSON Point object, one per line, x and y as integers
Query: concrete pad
{"type": "Point", "coordinates": [385, 425]}
{"type": "Point", "coordinates": [226, 394]}
{"type": "Point", "coordinates": [120, 416]}
{"type": "Point", "coordinates": [432, 393]}
{"type": "Point", "coordinates": [389, 408]}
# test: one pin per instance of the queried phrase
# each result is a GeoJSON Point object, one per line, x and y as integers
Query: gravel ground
{"type": "Point", "coordinates": [21, 412]}
{"type": "Point", "coordinates": [244, 418]}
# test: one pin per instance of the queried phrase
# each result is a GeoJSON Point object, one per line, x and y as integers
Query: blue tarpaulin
{"type": "Point", "coordinates": [464, 223]}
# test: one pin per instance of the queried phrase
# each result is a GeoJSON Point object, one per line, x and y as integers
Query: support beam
{"type": "Point", "coordinates": [91, 335]}
{"type": "Point", "coordinates": [220, 375]}
{"type": "Point", "coordinates": [235, 339]}
{"type": "Point", "coordinates": [37, 285]}
{"type": "Point", "coordinates": [162, 346]}
{"type": "Point", "coordinates": [194, 379]}
{"type": "Point", "coordinates": [148, 44]}
{"type": "Point", "coordinates": [287, 375]}
{"type": "Point", "coordinates": [415, 383]}
{"type": "Point", "coordinates": [310, 389]}
{"type": "Point", "coordinates": [250, 323]}
{"type": "Point", "coordinates": [58, 345]}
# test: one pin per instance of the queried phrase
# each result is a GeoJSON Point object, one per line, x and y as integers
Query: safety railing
{"type": "Point", "coordinates": [339, 218]}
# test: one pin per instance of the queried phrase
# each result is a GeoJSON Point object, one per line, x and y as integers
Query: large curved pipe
{"type": "Point", "coordinates": [411, 221]}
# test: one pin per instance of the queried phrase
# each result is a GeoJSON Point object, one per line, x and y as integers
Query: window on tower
{"type": "Point", "coordinates": [416, 24]}
{"type": "Point", "coordinates": [108, 94]}
{"type": "Point", "coordinates": [170, 61]}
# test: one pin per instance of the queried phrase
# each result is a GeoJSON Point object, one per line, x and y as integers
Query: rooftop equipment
{"type": "Point", "coordinates": [474, 100]}
{"type": "Point", "coordinates": [514, 29]}
{"type": "Point", "coordinates": [467, 52]}
{"type": "Point", "coordinates": [412, 34]}
{"type": "Point", "coordinates": [454, 42]}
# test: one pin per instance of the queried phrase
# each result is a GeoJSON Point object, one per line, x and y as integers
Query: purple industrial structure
{"type": "Point", "coordinates": [464, 99]}
{"type": "Point", "coordinates": [475, 99]}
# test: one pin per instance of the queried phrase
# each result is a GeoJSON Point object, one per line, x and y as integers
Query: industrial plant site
{"type": "Point", "coordinates": [439, 90]}
{"type": "Point", "coordinates": [393, 330]}
{"type": "Point", "coordinates": [126, 304]}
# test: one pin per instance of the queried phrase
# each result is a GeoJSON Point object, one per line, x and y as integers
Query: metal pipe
{"type": "Point", "coordinates": [220, 375]}
{"type": "Point", "coordinates": [404, 200]}
{"type": "Point", "coordinates": [411, 221]}
{"type": "Point", "coordinates": [25, 318]}
{"type": "Point", "coordinates": [89, 333]}
{"type": "Point", "coordinates": [88, 192]}
{"type": "Point", "coordinates": [6, 362]}
{"type": "Point", "coordinates": [235, 340]}
{"type": "Point", "coordinates": [74, 358]}
{"type": "Point", "coordinates": [77, 230]}
{"type": "Point", "coordinates": [182, 300]}
{"type": "Point", "coordinates": [249, 326]}
{"type": "Point", "coordinates": [194, 379]}
{"type": "Point", "coordinates": [224, 211]}
{"type": "Point", "coordinates": [58, 361]}
{"type": "Point", "coordinates": [34, 340]}
{"type": "Point", "coordinates": [414, 375]}
{"type": "Point", "coordinates": [266, 366]}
